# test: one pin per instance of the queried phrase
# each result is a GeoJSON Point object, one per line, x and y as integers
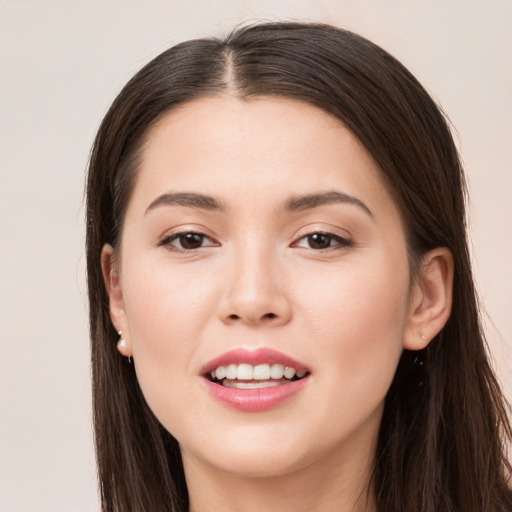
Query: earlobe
{"type": "Point", "coordinates": [431, 299]}
{"type": "Point", "coordinates": [110, 272]}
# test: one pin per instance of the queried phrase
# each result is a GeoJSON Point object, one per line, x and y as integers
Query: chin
{"type": "Point", "coordinates": [266, 451]}
{"type": "Point", "coordinates": [270, 463]}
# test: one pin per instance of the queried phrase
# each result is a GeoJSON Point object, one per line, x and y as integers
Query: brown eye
{"type": "Point", "coordinates": [187, 241]}
{"type": "Point", "coordinates": [321, 241]}
{"type": "Point", "coordinates": [191, 240]}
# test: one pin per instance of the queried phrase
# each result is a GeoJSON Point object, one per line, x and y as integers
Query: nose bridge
{"type": "Point", "coordinates": [254, 291]}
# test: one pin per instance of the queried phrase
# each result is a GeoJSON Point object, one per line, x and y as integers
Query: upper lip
{"type": "Point", "coordinates": [253, 357]}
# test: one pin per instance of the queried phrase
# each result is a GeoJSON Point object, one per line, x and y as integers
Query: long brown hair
{"type": "Point", "coordinates": [442, 439]}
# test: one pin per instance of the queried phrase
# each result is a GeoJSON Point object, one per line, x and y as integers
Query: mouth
{"type": "Point", "coordinates": [254, 381]}
{"type": "Point", "coordinates": [248, 376]}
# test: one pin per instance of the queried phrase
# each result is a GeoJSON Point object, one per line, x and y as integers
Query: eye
{"type": "Point", "coordinates": [187, 241]}
{"type": "Point", "coordinates": [320, 240]}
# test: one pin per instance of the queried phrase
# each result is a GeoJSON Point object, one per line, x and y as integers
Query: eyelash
{"type": "Point", "coordinates": [168, 241]}
{"type": "Point", "coordinates": [335, 241]}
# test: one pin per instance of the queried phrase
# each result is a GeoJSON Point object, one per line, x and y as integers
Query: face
{"type": "Point", "coordinates": [260, 239]}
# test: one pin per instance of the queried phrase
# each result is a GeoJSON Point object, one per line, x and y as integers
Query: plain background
{"type": "Point", "coordinates": [61, 64]}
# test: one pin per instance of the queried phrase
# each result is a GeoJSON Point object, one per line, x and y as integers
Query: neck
{"type": "Point", "coordinates": [340, 480]}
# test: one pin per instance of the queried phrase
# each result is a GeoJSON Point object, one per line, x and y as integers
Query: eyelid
{"type": "Point", "coordinates": [324, 228]}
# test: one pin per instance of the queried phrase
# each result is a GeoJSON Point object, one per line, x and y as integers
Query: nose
{"type": "Point", "coordinates": [255, 293]}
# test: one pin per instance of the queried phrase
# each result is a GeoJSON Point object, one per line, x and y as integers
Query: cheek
{"type": "Point", "coordinates": [358, 298]}
{"type": "Point", "coordinates": [167, 310]}
{"type": "Point", "coordinates": [166, 307]}
{"type": "Point", "coordinates": [358, 318]}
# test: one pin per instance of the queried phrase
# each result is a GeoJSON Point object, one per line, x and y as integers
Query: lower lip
{"type": "Point", "coordinates": [255, 400]}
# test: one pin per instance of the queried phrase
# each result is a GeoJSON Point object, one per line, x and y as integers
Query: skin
{"type": "Point", "coordinates": [346, 311]}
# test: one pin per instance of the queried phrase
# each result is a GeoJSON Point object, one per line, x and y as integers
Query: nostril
{"type": "Point", "coordinates": [233, 317]}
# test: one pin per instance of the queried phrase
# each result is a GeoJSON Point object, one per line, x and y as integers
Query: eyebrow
{"type": "Point", "coordinates": [306, 202]}
{"type": "Point", "coordinates": [190, 199]}
{"type": "Point", "coordinates": [294, 204]}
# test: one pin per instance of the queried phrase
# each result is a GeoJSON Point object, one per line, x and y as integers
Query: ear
{"type": "Point", "coordinates": [110, 270]}
{"type": "Point", "coordinates": [431, 299]}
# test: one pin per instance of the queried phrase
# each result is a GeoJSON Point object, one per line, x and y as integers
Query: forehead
{"type": "Point", "coordinates": [262, 147]}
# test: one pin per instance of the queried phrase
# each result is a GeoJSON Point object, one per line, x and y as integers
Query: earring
{"type": "Point", "coordinates": [122, 342]}
{"type": "Point", "coordinates": [418, 360]}
{"type": "Point", "coordinates": [423, 337]}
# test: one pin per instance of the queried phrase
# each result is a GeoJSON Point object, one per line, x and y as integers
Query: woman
{"type": "Point", "coordinates": [283, 314]}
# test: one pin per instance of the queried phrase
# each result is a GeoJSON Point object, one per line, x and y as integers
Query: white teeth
{"type": "Point", "coordinates": [244, 372]}
{"type": "Point", "coordinates": [220, 372]}
{"type": "Point", "coordinates": [251, 385]}
{"type": "Point", "coordinates": [260, 372]}
{"type": "Point", "coordinates": [289, 372]}
{"type": "Point", "coordinates": [277, 371]}
{"type": "Point", "coordinates": [231, 371]}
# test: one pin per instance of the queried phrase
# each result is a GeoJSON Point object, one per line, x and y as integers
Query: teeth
{"type": "Point", "coordinates": [251, 385]}
{"type": "Point", "coordinates": [220, 372]}
{"type": "Point", "coordinates": [289, 372]}
{"type": "Point", "coordinates": [231, 371]}
{"type": "Point", "coordinates": [277, 371]}
{"type": "Point", "coordinates": [261, 372]}
{"type": "Point", "coordinates": [244, 372]}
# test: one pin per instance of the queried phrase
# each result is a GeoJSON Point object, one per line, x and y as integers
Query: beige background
{"type": "Point", "coordinates": [61, 64]}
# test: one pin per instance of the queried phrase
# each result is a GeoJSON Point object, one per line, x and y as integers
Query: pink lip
{"type": "Point", "coordinates": [253, 400]}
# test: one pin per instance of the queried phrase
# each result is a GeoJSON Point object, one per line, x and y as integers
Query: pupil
{"type": "Point", "coordinates": [319, 241]}
{"type": "Point", "coordinates": [191, 241]}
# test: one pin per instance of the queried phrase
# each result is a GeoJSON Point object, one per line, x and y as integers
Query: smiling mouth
{"type": "Point", "coordinates": [247, 376]}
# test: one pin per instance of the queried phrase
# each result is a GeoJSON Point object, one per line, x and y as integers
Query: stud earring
{"type": "Point", "coordinates": [423, 337]}
{"type": "Point", "coordinates": [122, 342]}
